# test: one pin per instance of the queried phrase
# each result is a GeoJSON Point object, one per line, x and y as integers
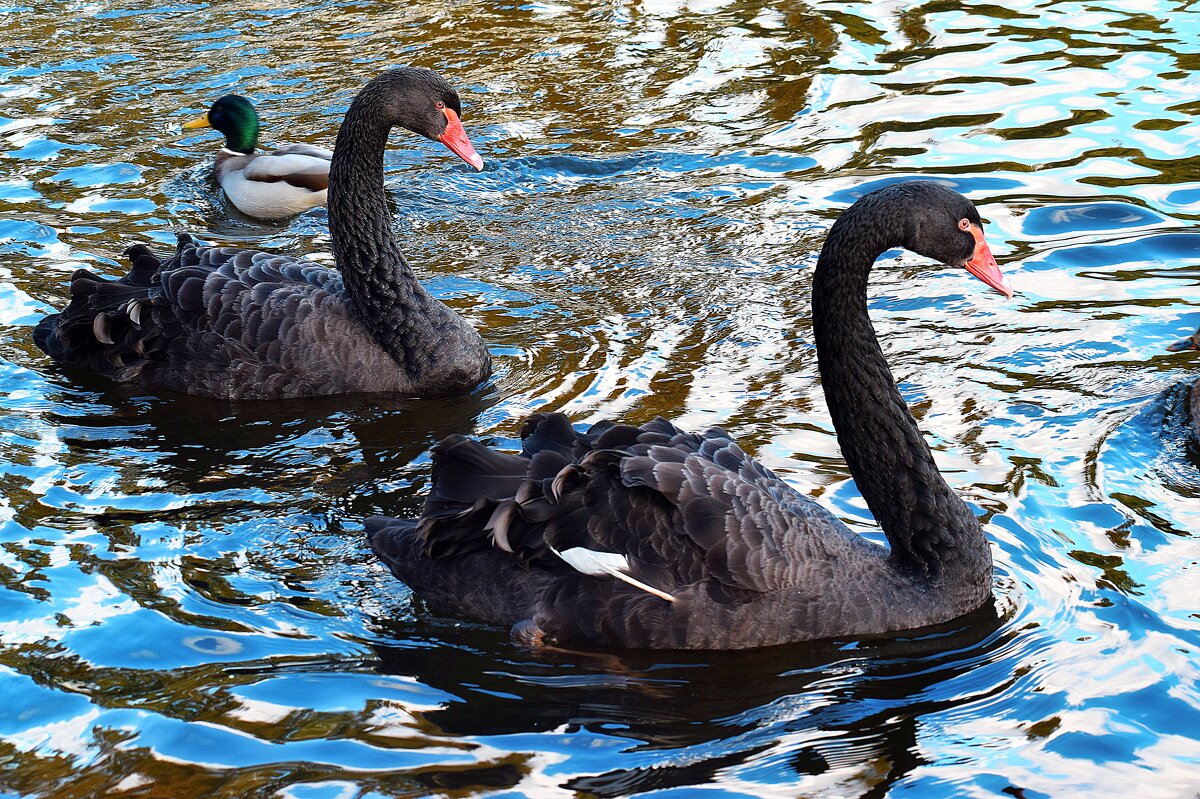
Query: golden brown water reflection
{"type": "Point", "coordinates": [187, 607]}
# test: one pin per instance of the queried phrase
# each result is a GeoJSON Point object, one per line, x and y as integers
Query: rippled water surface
{"type": "Point", "coordinates": [187, 604]}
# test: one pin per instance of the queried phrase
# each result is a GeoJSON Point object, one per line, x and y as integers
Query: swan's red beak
{"type": "Point", "coordinates": [456, 139]}
{"type": "Point", "coordinates": [983, 265]}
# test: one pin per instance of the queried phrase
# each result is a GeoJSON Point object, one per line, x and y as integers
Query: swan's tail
{"type": "Point", "coordinates": [483, 584]}
{"type": "Point", "coordinates": [45, 336]}
{"type": "Point", "coordinates": [109, 325]}
{"type": "Point", "coordinates": [479, 549]}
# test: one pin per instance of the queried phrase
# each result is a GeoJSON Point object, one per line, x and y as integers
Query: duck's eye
{"type": "Point", "coordinates": [964, 224]}
{"type": "Point", "coordinates": [440, 105]}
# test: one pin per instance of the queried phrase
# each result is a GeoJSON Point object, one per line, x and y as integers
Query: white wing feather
{"type": "Point", "coordinates": [596, 564]}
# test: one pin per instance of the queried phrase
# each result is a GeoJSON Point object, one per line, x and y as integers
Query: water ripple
{"type": "Point", "coordinates": [187, 607]}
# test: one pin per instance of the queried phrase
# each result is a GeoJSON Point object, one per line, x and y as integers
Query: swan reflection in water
{"type": "Point", "coordinates": [828, 711]}
{"type": "Point", "coordinates": [326, 454]}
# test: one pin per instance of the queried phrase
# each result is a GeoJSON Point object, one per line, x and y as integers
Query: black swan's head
{"type": "Point", "coordinates": [422, 101]}
{"type": "Point", "coordinates": [937, 222]}
{"type": "Point", "coordinates": [234, 116]}
{"type": "Point", "coordinates": [1192, 342]}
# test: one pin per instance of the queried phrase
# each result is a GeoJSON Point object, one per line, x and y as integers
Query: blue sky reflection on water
{"type": "Point", "coordinates": [187, 607]}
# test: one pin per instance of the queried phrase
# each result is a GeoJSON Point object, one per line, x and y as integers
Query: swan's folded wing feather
{"type": "Point", "coordinates": [681, 509]}
{"type": "Point", "coordinates": [756, 533]}
{"type": "Point", "coordinates": [550, 431]}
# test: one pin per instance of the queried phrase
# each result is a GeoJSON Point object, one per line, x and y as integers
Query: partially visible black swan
{"type": "Point", "coordinates": [1192, 342]}
{"type": "Point", "coordinates": [243, 324]}
{"type": "Point", "coordinates": [652, 537]}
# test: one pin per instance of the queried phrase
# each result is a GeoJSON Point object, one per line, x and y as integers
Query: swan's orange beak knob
{"type": "Point", "coordinates": [983, 265]}
{"type": "Point", "coordinates": [456, 139]}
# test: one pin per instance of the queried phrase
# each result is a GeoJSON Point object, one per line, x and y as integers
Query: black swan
{"type": "Point", "coordinates": [275, 185]}
{"type": "Point", "coordinates": [1192, 342]}
{"type": "Point", "coordinates": [650, 537]}
{"type": "Point", "coordinates": [242, 324]}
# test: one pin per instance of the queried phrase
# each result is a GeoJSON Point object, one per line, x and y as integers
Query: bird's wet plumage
{"type": "Point", "coordinates": [244, 324]}
{"type": "Point", "coordinates": [654, 537]}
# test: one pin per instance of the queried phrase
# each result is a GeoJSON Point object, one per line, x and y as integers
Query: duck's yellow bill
{"type": "Point", "coordinates": [202, 122]}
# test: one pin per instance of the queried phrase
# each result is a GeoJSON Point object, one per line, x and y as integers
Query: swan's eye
{"type": "Point", "coordinates": [440, 105]}
{"type": "Point", "coordinates": [964, 224]}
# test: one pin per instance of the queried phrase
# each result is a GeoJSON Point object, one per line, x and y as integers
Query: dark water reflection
{"type": "Point", "coordinates": [187, 607]}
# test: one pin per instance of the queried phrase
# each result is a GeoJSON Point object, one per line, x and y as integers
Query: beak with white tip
{"type": "Point", "coordinates": [455, 138]}
{"type": "Point", "coordinates": [982, 264]}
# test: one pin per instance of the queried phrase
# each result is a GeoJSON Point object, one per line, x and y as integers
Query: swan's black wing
{"type": "Point", "coordinates": [214, 321]}
{"type": "Point", "coordinates": [697, 530]}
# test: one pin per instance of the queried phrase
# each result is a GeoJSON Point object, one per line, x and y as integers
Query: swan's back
{"type": "Point", "coordinates": [220, 322]}
{"type": "Point", "coordinates": [718, 551]}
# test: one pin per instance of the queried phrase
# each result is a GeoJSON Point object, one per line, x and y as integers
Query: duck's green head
{"type": "Point", "coordinates": [234, 116]}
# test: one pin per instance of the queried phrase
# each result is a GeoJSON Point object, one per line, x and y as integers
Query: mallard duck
{"type": "Point", "coordinates": [244, 324]}
{"type": "Point", "coordinates": [652, 537]}
{"type": "Point", "coordinates": [274, 185]}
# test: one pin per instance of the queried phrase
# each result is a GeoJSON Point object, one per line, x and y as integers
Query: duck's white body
{"type": "Point", "coordinates": [275, 185]}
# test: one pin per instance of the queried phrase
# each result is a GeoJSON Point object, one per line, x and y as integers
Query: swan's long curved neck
{"type": "Point", "coordinates": [931, 531]}
{"type": "Point", "coordinates": [382, 288]}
